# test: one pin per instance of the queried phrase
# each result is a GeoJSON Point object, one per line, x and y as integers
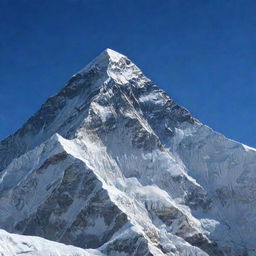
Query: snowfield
{"type": "Point", "coordinates": [13, 244]}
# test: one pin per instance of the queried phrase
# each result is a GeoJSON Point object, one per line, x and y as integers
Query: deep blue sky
{"type": "Point", "coordinates": [203, 53]}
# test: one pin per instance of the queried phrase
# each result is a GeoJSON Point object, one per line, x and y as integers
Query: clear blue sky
{"type": "Point", "coordinates": [202, 52]}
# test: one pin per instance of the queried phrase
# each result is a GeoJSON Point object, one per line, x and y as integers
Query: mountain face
{"type": "Point", "coordinates": [112, 165]}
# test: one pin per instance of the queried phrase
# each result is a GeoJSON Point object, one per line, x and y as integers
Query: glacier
{"type": "Point", "coordinates": [111, 165]}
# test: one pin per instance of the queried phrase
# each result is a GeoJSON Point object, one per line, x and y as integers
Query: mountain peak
{"type": "Point", "coordinates": [112, 55]}
{"type": "Point", "coordinates": [115, 66]}
{"type": "Point", "coordinates": [111, 162]}
{"type": "Point", "coordinates": [103, 59]}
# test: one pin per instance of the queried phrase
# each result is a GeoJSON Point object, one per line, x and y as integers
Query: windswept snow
{"type": "Point", "coordinates": [13, 245]}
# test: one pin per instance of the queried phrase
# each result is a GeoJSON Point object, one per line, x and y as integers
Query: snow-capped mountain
{"type": "Point", "coordinates": [111, 164]}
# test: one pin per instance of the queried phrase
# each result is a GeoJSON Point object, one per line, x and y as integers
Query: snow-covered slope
{"type": "Point", "coordinates": [13, 244]}
{"type": "Point", "coordinates": [112, 163]}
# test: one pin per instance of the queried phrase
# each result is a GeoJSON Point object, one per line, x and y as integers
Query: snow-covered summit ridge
{"type": "Point", "coordinates": [113, 55]}
{"type": "Point", "coordinates": [103, 60]}
{"type": "Point", "coordinates": [116, 66]}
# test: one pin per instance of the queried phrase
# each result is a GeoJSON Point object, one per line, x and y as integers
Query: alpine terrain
{"type": "Point", "coordinates": [112, 166]}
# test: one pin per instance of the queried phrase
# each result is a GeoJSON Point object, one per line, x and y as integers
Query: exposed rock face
{"type": "Point", "coordinates": [112, 164]}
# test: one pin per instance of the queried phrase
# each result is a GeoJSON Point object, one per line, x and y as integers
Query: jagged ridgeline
{"type": "Point", "coordinates": [114, 166]}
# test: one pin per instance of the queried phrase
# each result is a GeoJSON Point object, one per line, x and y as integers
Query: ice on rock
{"type": "Point", "coordinates": [113, 165]}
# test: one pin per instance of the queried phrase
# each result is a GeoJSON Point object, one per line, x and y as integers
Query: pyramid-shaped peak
{"type": "Point", "coordinates": [109, 55]}
{"type": "Point", "coordinates": [104, 59]}
{"type": "Point", "coordinates": [113, 55]}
